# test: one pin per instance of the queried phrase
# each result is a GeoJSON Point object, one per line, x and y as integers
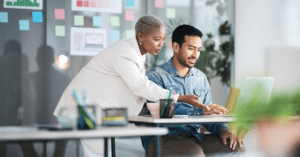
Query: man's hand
{"type": "Point", "coordinates": [233, 139]}
{"type": "Point", "coordinates": [217, 109]}
{"type": "Point", "coordinates": [193, 100]}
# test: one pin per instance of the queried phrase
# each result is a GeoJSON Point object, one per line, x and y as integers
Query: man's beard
{"type": "Point", "coordinates": [181, 61]}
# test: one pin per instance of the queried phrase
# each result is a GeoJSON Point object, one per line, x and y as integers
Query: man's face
{"type": "Point", "coordinates": [190, 51]}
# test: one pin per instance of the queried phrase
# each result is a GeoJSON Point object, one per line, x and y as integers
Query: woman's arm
{"type": "Point", "coordinates": [193, 100]}
{"type": "Point", "coordinates": [127, 68]}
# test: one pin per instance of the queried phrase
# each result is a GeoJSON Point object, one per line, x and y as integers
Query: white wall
{"type": "Point", "coordinates": [261, 24]}
{"type": "Point", "coordinates": [284, 65]}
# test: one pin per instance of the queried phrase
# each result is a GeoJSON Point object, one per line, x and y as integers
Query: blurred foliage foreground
{"type": "Point", "coordinates": [280, 109]}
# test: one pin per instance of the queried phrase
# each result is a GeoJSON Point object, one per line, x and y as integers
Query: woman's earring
{"type": "Point", "coordinates": [141, 42]}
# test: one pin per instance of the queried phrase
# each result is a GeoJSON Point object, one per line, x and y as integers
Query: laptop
{"type": "Point", "coordinates": [93, 42]}
{"type": "Point", "coordinates": [259, 88]}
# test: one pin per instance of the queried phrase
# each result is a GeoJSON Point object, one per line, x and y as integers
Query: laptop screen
{"type": "Point", "coordinates": [93, 39]}
{"type": "Point", "coordinates": [255, 89]}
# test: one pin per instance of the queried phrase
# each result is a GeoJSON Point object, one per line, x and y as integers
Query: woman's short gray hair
{"type": "Point", "coordinates": [146, 23]}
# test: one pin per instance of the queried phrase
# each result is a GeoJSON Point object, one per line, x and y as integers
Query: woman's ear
{"type": "Point", "coordinates": [140, 36]}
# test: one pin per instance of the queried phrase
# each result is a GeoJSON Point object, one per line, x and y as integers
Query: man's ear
{"type": "Point", "coordinates": [176, 47]}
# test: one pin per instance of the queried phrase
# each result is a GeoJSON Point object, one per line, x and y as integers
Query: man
{"type": "Point", "coordinates": [179, 73]}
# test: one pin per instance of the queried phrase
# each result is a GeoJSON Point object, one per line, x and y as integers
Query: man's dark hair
{"type": "Point", "coordinates": [182, 30]}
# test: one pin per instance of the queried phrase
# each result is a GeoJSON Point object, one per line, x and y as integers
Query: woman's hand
{"type": "Point", "coordinates": [193, 100]}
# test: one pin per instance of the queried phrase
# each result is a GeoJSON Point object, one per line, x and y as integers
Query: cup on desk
{"type": "Point", "coordinates": [154, 109]}
{"type": "Point", "coordinates": [67, 119]}
{"type": "Point", "coordinates": [166, 108]}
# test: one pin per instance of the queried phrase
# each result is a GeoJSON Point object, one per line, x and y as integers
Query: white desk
{"type": "Point", "coordinates": [17, 134]}
{"type": "Point", "coordinates": [171, 121]}
{"type": "Point", "coordinates": [160, 121]}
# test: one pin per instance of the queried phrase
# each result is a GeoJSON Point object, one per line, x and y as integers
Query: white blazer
{"type": "Point", "coordinates": [115, 77]}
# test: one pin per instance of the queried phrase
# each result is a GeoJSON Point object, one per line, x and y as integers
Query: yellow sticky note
{"type": "Point", "coordinates": [60, 31]}
{"type": "Point", "coordinates": [78, 20]}
{"type": "Point", "coordinates": [170, 13]}
{"type": "Point", "coordinates": [115, 21]}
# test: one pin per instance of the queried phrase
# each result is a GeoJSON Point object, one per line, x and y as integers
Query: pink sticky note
{"type": "Point", "coordinates": [59, 14]}
{"type": "Point", "coordinates": [99, 4]}
{"type": "Point", "coordinates": [159, 3]}
{"type": "Point", "coordinates": [93, 4]}
{"type": "Point", "coordinates": [129, 15]}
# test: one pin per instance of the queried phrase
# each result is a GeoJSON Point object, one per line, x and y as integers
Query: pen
{"type": "Point", "coordinates": [162, 111]}
{"type": "Point", "coordinates": [82, 111]}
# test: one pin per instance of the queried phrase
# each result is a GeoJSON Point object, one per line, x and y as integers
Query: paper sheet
{"type": "Point", "coordinates": [23, 4]}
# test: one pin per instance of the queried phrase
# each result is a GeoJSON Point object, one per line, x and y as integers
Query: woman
{"type": "Point", "coordinates": [116, 76]}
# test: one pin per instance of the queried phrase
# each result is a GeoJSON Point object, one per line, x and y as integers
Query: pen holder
{"type": "Point", "coordinates": [166, 108]}
{"type": "Point", "coordinates": [86, 117]}
{"type": "Point", "coordinates": [114, 116]}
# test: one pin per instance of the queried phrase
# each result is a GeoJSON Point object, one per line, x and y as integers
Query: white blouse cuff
{"type": "Point", "coordinates": [175, 98]}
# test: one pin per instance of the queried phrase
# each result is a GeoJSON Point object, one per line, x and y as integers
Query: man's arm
{"type": "Point", "coordinates": [190, 99]}
{"type": "Point", "coordinates": [213, 128]}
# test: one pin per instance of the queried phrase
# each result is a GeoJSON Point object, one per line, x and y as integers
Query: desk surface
{"type": "Point", "coordinates": [202, 120]}
{"type": "Point", "coordinates": [14, 134]}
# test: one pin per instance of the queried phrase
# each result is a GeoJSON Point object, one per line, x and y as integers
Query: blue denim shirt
{"type": "Point", "coordinates": [195, 83]}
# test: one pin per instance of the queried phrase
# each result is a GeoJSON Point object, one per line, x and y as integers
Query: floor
{"type": "Point", "coordinates": [124, 148]}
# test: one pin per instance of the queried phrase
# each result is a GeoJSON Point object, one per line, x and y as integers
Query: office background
{"type": "Point", "coordinates": [266, 43]}
{"type": "Point", "coordinates": [41, 82]}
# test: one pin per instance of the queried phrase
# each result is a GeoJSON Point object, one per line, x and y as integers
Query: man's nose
{"type": "Point", "coordinates": [195, 54]}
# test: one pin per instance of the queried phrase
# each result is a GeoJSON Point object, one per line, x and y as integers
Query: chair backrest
{"type": "Point", "coordinates": [144, 110]}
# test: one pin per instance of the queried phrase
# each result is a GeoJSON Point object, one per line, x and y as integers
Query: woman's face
{"type": "Point", "coordinates": [154, 40]}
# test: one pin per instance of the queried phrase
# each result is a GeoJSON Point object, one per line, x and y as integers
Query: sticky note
{"type": "Point", "coordinates": [170, 13]}
{"type": "Point", "coordinates": [79, 3]}
{"type": "Point", "coordinates": [130, 33]}
{"type": "Point", "coordinates": [97, 21]}
{"type": "Point", "coordinates": [24, 25]}
{"type": "Point", "coordinates": [159, 3]}
{"type": "Point", "coordinates": [93, 4]}
{"type": "Point", "coordinates": [37, 16]}
{"type": "Point", "coordinates": [99, 4]}
{"type": "Point", "coordinates": [78, 20]}
{"type": "Point", "coordinates": [114, 35]}
{"type": "Point", "coordinates": [115, 21]}
{"type": "Point", "coordinates": [86, 4]}
{"type": "Point", "coordinates": [130, 3]}
{"type": "Point", "coordinates": [60, 31]}
{"type": "Point", "coordinates": [59, 14]}
{"type": "Point", "coordinates": [129, 15]}
{"type": "Point", "coordinates": [3, 17]}
{"type": "Point", "coordinates": [105, 4]}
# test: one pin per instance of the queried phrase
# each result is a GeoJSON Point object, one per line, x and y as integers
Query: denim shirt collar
{"type": "Point", "coordinates": [174, 72]}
